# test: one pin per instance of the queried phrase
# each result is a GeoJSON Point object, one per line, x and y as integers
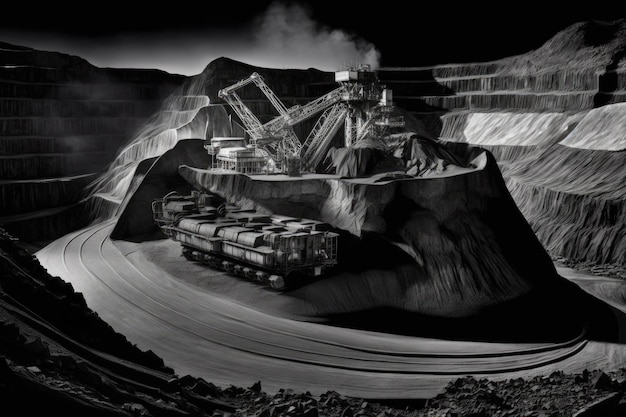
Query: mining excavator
{"type": "Point", "coordinates": [359, 103]}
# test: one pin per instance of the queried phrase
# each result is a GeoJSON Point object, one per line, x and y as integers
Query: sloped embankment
{"type": "Point", "coordinates": [579, 215]}
{"type": "Point", "coordinates": [181, 117]}
{"type": "Point", "coordinates": [572, 192]}
{"type": "Point", "coordinates": [159, 176]}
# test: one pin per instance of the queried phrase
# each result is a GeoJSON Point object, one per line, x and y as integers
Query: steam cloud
{"type": "Point", "coordinates": [287, 35]}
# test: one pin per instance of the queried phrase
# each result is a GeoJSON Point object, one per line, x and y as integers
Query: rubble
{"type": "Point", "coordinates": [554, 395]}
{"type": "Point", "coordinates": [611, 270]}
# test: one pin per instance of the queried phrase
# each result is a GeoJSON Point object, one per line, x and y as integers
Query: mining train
{"type": "Point", "coordinates": [279, 251]}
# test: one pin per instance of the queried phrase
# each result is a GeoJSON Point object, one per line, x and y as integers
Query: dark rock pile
{"type": "Point", "coordinates": [254, 402]}
{"type": "Point", "coordinates": [554, 395]}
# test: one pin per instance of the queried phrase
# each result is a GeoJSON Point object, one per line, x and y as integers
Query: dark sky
{"type": "Point", "coordinates": [183, 38]}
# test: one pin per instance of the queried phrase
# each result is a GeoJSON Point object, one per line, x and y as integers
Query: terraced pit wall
{"type": "Point", "coordinates": [62, 121]}
{"type": "Point", "coordinates": [555, 120]}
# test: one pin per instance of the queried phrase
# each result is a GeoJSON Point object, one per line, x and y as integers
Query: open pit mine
{"type": "Point", "coordinates": [375, 232]}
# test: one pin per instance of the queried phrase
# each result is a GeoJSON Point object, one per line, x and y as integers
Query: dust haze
{"type": "Point", "coordinates": [283, 36]}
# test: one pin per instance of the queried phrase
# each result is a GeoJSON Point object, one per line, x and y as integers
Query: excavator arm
{"type": "Point", "coordinates": [251, 123]}
{"type": "Point", "coordinates": [281, 126]}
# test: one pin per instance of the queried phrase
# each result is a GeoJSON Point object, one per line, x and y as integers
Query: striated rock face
{"type": "Point", "coordinates": [153, 179]}
{"type": "Point", "coordinates": [579, 213]}
{"type": "Point", "coordinates": [580, 68]}
{"type": "Point", "coordinates": [61, 122]}
{"type": "Point", "coordinates": [600, 129]}
{"type": "Point", "coordinates": [181, 117]}
{"type": "Point", "coordinates": [569, 92]}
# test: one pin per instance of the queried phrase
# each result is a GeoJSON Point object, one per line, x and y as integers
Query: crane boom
{"type": "Point", "coordinates": [249, 120]}
{"type": "Point", "coordinates": [279, 128]}
{"type": "Point", "coordinates": [251, 123]}
{"type": "Point", "coordinates": [255, 78]}
{"type": "Point", "coordinates": [298, 114]}
{"type": "Point", "coordinates": [316, 144]}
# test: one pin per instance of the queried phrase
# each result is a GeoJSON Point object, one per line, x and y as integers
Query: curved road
{"type": "Point", "coordinates": [227, 343]}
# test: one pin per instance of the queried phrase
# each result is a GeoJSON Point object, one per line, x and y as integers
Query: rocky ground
{"type": "Point", "coordinates": [605, 270]}
{"type": "Point", "coordinates": [56, 355]}
{"type": "Point", "coordinates": [553, 395]}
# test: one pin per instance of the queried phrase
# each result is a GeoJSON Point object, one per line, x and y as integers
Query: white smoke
{"type": "Point", "coordinates": [288, 36]}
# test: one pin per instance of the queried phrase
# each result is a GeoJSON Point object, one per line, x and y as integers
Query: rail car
{"type": "Point", "coordinates": [278, 251]}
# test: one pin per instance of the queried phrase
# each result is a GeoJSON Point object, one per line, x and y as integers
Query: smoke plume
{"type": "Point", "coordinates": [288, 36]}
